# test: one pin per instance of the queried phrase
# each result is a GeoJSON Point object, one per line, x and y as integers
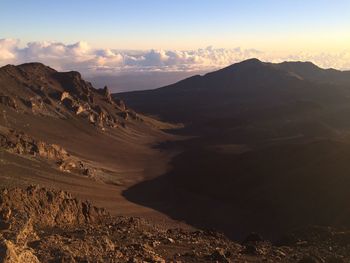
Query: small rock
{"type": "Point", "coordinates": [171, 240]}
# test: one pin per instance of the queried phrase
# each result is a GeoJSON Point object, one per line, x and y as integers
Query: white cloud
{"type": "Point", "coordinates": [91, 61]}
{"type": "Point", "coordinates": [8, 49]}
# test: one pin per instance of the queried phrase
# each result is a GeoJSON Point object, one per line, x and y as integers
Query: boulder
{"type": "Point", "coordinates": [106, 93]}
{"type": "Point", "coordinates": [64, 95]}
{"type": "Point", "coordinates": [51, 151]}
{"type": "Point", "coordinates": [12, 253]}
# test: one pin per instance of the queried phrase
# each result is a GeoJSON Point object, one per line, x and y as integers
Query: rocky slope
{"type": "Point", "coordinates": [42, 225]}
{"type": "Point", "coordinates": [58, 131]}
{"type": "Point", "coordinates": [37, 89]}
{"type": "Point", "coordinates": [34, 91]}
{"type": "Point", "coordinates": [22, 144]}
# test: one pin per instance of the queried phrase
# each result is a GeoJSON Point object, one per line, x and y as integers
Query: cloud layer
{"type": "Point", "coordinates": [91, 61]}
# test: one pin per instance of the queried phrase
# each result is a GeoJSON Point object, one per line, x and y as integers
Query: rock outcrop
{"type": "Point", "coordinates": [13, 253]}
{"type": "Point", "coordinates": [47, 208]}
{"type": "Point", "coordinates": [42, 225]}
{"type": "Point", "coordinates": [22, 209]}
{"type": "Point", "coordinates": [40, 90]}
{"type": "Point", "coordinates": [106, 93]}
{"type": "Point", "coordinates": [22, 144]}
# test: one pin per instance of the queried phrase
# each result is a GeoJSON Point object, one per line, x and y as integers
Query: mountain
{"type": "Point", "coordinates": [310, 71]}
{"type": "Point", "coordinates": [58, 131]}
{"type": "Point", "coordinates": [268, 152]}
{"type": "Point", "coordinates": [261, 149]}
{"type": "Point", "coordinates": [246, 91]}
{"type": "Point", "coordinates": [265, 149]}
{"type": "Point", "coordinates": [37, 89]}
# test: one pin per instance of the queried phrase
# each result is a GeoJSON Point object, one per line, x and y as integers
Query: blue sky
{"type": "Point", "coordinates": [99, 37]}
{"type": "Point", "coordinates": [180, 24]}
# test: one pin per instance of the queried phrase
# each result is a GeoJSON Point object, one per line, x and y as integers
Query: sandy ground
{"type": "Point", "coordinates": [127, 155]}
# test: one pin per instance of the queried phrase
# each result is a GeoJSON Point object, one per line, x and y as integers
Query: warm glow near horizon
{"type": "Point", "coordinates": [104, 36]}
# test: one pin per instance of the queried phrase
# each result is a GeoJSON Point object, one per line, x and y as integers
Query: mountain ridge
{"type": "Point", "coordinates": [249, 85]}
{"type": "Point", "coordinates": [58, 131]}
{"type": "Point", "coordinates": [268, 148]}
{"type": "Point", "coordinates": [42, 90]}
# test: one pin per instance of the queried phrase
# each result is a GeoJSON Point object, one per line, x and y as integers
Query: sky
{"type": "Point", "coordinates": [181, 24]}
{"type": "Point", "coordinates": [129, 36]}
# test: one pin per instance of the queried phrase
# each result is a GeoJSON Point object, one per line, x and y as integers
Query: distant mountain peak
{"type": "Point", "coordinates": [247, 66]}
{"type": "Point", "coordinates": [302, 65]}
{"type": "Point", "coordinates": [251, 61]}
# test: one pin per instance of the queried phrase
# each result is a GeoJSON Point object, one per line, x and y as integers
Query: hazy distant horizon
{"type": "Point", "coordinates": [139, 81]}
{"type": "Point", "coordinates": [131, 40]}
{"type": "Point", "coordinates": [129, 70]}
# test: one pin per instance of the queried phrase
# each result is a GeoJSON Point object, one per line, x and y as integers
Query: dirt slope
{"type": "Point", "coordinates": [103, 147]}
{"type": "Point", "coordinates": [41, 225]}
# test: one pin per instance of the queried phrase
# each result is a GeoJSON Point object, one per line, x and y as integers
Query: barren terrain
{"type": "Point", "coordinates": [246, 164]}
